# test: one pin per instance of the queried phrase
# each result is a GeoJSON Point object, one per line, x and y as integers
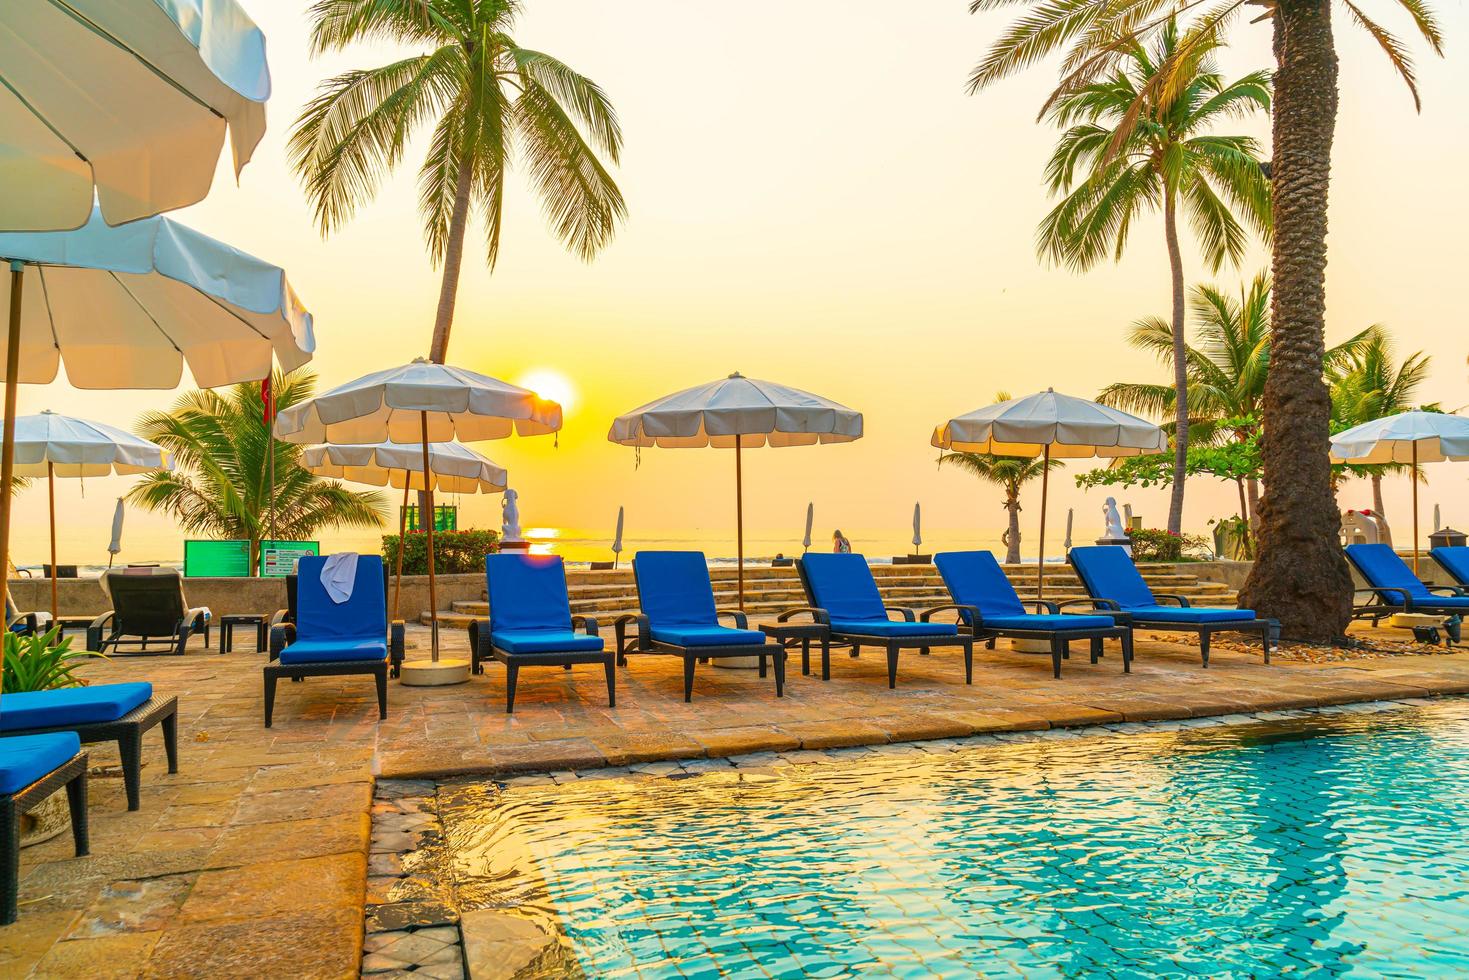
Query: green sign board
{"type": "Point", "coordinates": [446, 518]}
{"type": "Point", "coordinates": [231, 558]}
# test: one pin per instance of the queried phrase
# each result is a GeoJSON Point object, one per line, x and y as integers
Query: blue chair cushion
{"type": "Point", "coordinates": [1107, 571]}
{"type": "Point", "coordinates": [71, 705]}
{"type": "Point", "coordinates": [1051, 622]}
{"type": "Point", "coordinates": [1193, 614]}
{"type": "Point", "coordinates": [843, 585]}
{"type": "Point", "coordinates": [708, 636]}
{"type": "Point", "coordinates": [26, 758]}
{"type": "Point", "coordinates": [545, 641]}
{"type": "Point", "coordinates": [892, 628]}
{"type": "Point", "coordinates": [1455, 603]}
{"type": "Point", "coordinates": [974, 578]}
{"type": "Point", "coordinates": [1455, 561]}
{"type": "Point", "coordinates": [674, 588]}
{"type": "Point", "coordinates": [1382, 568]}
{"type": "Point", "coordinates": [324, 651]}
{"type": "Point", "coordinates": [527, 592]}
{"type": "Point", "coordinates": [363, 617]}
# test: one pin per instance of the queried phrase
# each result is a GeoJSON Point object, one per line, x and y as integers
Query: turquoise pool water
{"type": "Point", "coordinates": [1338, 846]}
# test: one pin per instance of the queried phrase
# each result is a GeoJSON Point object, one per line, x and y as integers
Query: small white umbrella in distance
{"type": "Point", "coordinates": [452, 468]}
{"type": "Point", "coordinates": [1408, 437]}
{"type": "Point", "coordinates": [426, 402]}
{"type": "Point", "coordinates": [114, 547]}
{"type": "Point", "coordinates": [125, 99]}
{"type": "Point", "coordinates": [737, 413]}
{"type": "Point", "coordinates": [917, 534]}
{"type": "Point", "coordinates": [810, 518]}
{"type": "Point", "coordinates": [617, 540]}
{"type": "Point", "coordinates": [50, 445]}
{"type": "Point", "coordinates": [1053, 426]}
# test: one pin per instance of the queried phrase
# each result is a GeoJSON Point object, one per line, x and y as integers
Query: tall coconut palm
{"type": "Point", "coordinates": [491, 104]}
{"type": "Point", "coordinates": [1300, 576]}
{"type": "Point", "coordinates": [1369, 385]}
{"type": "Point", "coordinates": [220, 485]}
{"type": "Point", "coordinates": [1132, 146]}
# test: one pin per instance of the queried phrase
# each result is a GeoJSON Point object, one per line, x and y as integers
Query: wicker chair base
{"type": "Point", "coordinates": [72, 775]}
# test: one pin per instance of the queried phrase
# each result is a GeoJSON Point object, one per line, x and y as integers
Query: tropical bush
{"type": "Point", "coordinates": [40, 662]}
{"type": "Point", "coordinates": [1157, 544]}
{"type": "Point", "coordinates": [454, 551]}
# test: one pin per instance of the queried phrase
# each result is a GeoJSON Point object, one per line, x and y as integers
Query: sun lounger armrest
{"type": "Point", "coordinates": [904, 611]}
{"type": "Point", "coordinates": [1042, 605]}
{"type": "Point", "coordinates": [1405, 599]}
{"type": "Point", "coordinates": [741, 621]}
{"type": "Point", "coordinates": [94, 631]}
{"type": "Point", "coordinates": [278, 617]}
{"type": "Point", "coordinates": [1106, 605]}
{"type": "Point", "coordinates": [587, 624]}
{"type": "Point", "coordinates": [31, 620]}
{"type": "Point", "coordinates": [1452, 590]}
{"type": "Point", "coordinates": [974, 614]}
{"type": "Point", "coordinates": [817, 615]}
{"type": "Point", "coordinates": [1181, 600]}
{"type": "Point", "coordinates": [644, 638]}
{"type": "Point", "coordinates": [282, 635]}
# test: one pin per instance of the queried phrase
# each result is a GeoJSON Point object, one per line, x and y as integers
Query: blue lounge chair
{"type": "Point", "coordinates": [329, 638]}
{"type": "Point", "coordinates": [32, 767]}
{"type": "Point", "coordinates": [989, 607]}
{"type": "Point", "coordinates": [679, 619]}
{"type": "Point", "coordinates": [26, 624]}
{"type": "Point", "coordinates": [99, 713]}
{"type": "Point", "coordinates": [844, 596]}
{"type": "Point", "coordinates": [531, 624]}
{"type": "Point", "coordinates": [1454, 560]}
{"type": "Point", "coordinates": [1116, 587]}
{"type": "Point", "coordinates": [1397, 590]}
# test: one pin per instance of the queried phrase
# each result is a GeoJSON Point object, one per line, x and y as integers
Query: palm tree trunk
{"type": "Point", "coordinates": [1377, 495]}
{"type": "Point", "coordinates": [453, 259]}
{"type": "Point", "coordinates": [1012, 535]}
{"type": "Point", "coordinates": [1300, 576]}
{"type": "Point", "coordinates": [1180, 367]}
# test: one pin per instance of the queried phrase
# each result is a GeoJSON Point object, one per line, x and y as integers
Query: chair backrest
{"type": "Point", "coordinates": [842, 585]}
{"type": "Point", "coordinates": [527, 592]}
{"type": "Point", "coordinates": [1382, 568]}
{"type": "Point", "coordinates": [1107, 571]}
{"type": "Point", "coordinates": [674, 588]}
{"type": "Point", "coordinates": [974, 578]}
{"type": "Point", "coordinates": [145, 601]}
{"type": "Point", "coordinates": [1454, 560]}
{"type": "Point", "coordinates": [363, 616]}
{"type": "Point", "coordinates": [290, 579]}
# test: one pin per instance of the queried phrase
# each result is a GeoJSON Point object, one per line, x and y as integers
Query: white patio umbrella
{"type": "Point", "coordinates": [1053, 426]}
{"type": "Point", "coordinates": [50, 445]}
{"type": "Point", "coordinates": [617, 540]}
{"type": "Point", "coordinates": [127, 100]}
{"type": "Point", "coordinates": [1409, 437]}
{"type": "Point", "coordinates": [125, 307]}
{"type": "Point", "coordinates": [452, 467]}
{"type": "Point", "coordinates": [737, 413]}
{"type": "Point", "coordinates": [114, 546]}
{"type": "Point", "coordinates": [425, 402]}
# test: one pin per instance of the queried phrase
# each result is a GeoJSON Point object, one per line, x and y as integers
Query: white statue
{"type": "Point", "coordinates": [510, 517]}
{"type": "Point", "coordinates": [1113, 519]}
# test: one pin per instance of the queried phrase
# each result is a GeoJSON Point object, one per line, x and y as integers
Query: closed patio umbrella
{"type": "Point", "coordinates": [114, 546]}
{"type": "Point", "coordinates": [1408, 437]}
{"type": "Point", "coordinates": [617, 540]}
{"type": "Point", "coordinates": [452, 467]}
{"type": "Point", "coordinates": [52, 445]}
{"type": "Point", "coordinates": [917, 534]}
{"type": "Point", "coordinates": [737, 413]}
{"type": "Point", "coordinates": [424, 402]}
{"type": "Point", "coordinates": [810, 519]}
{"type": "Point", "coordinates": [1053, 426]}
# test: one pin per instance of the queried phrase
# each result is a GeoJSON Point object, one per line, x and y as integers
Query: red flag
{"type": "Point", "coordinates": [268, 397]}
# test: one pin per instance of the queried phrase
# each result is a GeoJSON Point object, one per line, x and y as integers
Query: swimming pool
{"type": "Point", "coordinates": [1337, 845]}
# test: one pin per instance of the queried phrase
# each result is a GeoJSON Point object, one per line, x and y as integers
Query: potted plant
{"type": "Point", "coordinates": [41, 662]}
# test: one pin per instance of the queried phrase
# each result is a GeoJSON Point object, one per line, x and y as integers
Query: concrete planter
{"type": "Point", "coordinates": [46, 821]}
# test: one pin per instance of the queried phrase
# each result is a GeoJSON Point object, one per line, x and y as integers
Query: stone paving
{"type": "Point", "coordinates": [254, 859]}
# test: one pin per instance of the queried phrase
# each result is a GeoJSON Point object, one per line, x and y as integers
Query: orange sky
{"type": "Point", "coordinates": [813, 199]}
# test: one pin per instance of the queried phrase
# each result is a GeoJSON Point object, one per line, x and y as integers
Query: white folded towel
{"type": "Point", "coordinates": [339, 575]}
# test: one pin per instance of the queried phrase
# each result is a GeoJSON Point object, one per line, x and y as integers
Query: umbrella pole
{"type": "Point", "coordinates": [1040, 568]}
{"type": "Point", "coordinates": [51, 496]}
{"type": "Point", "coordinates": [402, 533]}
{"type": "Point", "coordinates": [1414, 477]}
{"type": "Point", "coordinates": [433, 589]}
{"type": "Point", "coordinates": [740, 520]}
{"type": "Point", "coordinates": [7, 453]}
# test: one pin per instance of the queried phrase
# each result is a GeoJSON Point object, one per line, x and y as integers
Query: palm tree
{"type": "Point", "coordinates": [491, 103]}
{"type": "Point", "coordinates": [220, 485]}
{"type": "Point", "coordinates": [1227, 366]}
{"type": "Point", "coordinates": [1370, 385]}
{"type": "Point", "coordinates": [1300, 577]}
{"type": "Point", "coordinates": [1133, 146]}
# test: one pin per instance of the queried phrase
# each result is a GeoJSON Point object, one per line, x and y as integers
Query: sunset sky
{"type": "Point", "coordinates": [813, 199]}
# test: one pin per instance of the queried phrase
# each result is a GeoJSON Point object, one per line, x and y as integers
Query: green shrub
{"type": "Point", "coordinates": [454, 551]}
{"type": "Point", "coordinates": [40, 663]}
{"type": "Point", "coordinates": [1156, 544]}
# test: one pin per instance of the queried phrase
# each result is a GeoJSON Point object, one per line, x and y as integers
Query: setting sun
{"type": "Point", "coordinates": [551, 384]}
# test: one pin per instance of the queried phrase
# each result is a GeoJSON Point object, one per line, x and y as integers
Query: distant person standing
{"type": "Point", "coordinates": [839, 543]}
